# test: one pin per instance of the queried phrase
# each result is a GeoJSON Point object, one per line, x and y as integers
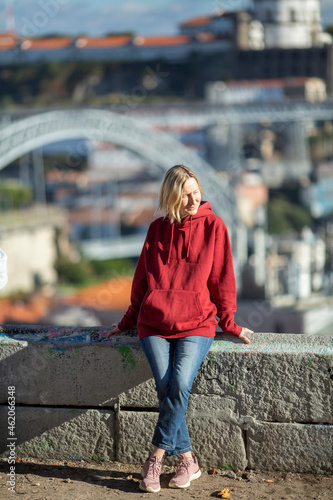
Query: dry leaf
{"type": "Point", "coordinates": [224, 493]}
{"type": "Point", "coordinates": [212, 471]}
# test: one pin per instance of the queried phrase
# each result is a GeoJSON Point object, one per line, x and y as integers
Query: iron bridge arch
{"type": "Point", "coordinates": [28, 134]}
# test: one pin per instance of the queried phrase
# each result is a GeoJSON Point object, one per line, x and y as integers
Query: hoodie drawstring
{"type": "Point", "coordinates": [188, 244]}
{"type": "Point", "coordinates": [189, 239]}
{"type": "Point", "coordinates": [171, 241]}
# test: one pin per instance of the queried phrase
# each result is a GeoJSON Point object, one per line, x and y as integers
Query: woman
{"type": "Point", "coordinates": [183, 279]}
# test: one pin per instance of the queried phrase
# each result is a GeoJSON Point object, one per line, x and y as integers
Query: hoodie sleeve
{"type": "Point", "coordinates": [139, 289]}
{"type": "Point", "coordinates": [222, 283]}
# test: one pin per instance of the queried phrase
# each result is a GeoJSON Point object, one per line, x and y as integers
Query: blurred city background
{"type": "Point", "coordinates": [96, 102]}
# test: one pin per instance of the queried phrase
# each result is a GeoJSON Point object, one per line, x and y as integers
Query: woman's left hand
{"type": "Point", "coordinates": [242, 336]}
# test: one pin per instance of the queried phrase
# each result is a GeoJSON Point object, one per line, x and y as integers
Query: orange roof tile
{"type": "Point", "coordinates": [23, 312]}
{"type": "Point", "coordinates": [197, 21]}
{"type": "Point", "coordinates": [107, 41]}
{"type": "Point", "coordinates": [46, 43]}
{"type": "Point", "coordinates": [161, 40]}
{"type": "Point", "coordinates": [112, 294]}
{"type": "Point", "coordinates": [7, 41]}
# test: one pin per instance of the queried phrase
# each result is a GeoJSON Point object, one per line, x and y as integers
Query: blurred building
{"type": "Point", "coordinates": [32, 241]}
{"type": "Point", "coordinates": [291, 23]}
{"type": "Point", "coordinates": [272, 24]}
{"type": "Point", "coordinates": [116, 196]}
{"type": "Point", "coordinates": [295, 267]}
{"type": "Point", "coordinates": [277, 39]}
{"type": "Point", "coordinates": [274, 90]}
{"type": "Point", "coordinates": [239, 28]}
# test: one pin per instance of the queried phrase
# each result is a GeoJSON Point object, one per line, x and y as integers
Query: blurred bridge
{"type": "Point", "coordinates": [30, 133]}
{"type": "Point", "coordinates": [24, 131]}
{"type": "Point", "coordinates": [136, 129]}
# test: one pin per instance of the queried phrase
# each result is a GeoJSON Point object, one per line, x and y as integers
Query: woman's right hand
{"type": "Point", "coordinates": [113, 331]}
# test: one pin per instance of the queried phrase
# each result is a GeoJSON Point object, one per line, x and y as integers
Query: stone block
{"type": "Point", "coordinates": [134, 431]}
{"type": "Point", "coordinates": [284, 383]}
{"type": "Point", "coordinates": [60, 433]}
{"type": "Point", "coordinates": [215, 441]}
{"type": "Point", "coordinates": [140, 396]}
{"type": "Point", "coordinates": [290, 447]}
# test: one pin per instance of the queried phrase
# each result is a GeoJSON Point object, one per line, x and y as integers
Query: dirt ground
{"type": "Point", "coordinates": [37, 479]}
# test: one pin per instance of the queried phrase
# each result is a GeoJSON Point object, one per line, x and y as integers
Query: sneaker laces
{"type": "Point", "coordinates": [154, 468]}
{"type": "Point", "coordinates": [184, 464]}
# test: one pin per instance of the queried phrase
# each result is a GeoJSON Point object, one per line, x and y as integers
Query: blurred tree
{"type": "Point", "coordinates": [284, 216]}
{"type": "Point", "coordinates": [14, 195]}
{"type": "Point", "coordinates": [329, 29]}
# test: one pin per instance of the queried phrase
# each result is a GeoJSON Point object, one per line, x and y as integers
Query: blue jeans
{"type": "Point", "coordinates": [174, 363]}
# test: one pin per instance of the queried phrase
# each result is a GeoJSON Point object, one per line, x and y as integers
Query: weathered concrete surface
{"type": "Point", "coordinates": [215, 432]}
{"type": "Point", "coordinates": [250, 403]}
{"type": "Point", "coordinates": [60, 433]}
{"type": "Point", "coordinates": [285, 378]}
{"type": "Point", "coordinates": [141, 396]}
{"type": "Point", "coordinates": [283, 387]}
{"type": "Point", "coordinates": [78, 367]}
{"type": "Point", "coordinates": [290, 447]}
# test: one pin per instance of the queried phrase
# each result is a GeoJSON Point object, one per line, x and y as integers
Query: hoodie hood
{"type": "Point", "coordinates": [204, 209]}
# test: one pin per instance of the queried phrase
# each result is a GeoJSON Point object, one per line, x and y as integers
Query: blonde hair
{"type": "Point", "coordinates": [171, 190]}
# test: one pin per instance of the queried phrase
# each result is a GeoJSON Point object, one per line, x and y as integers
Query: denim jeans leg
{"type": "Point", "coordinates": [189, 355]}
{"type": "Point", "coordinates": [174, 379]}
{"type": "Point", "coordinates": [159, 353]}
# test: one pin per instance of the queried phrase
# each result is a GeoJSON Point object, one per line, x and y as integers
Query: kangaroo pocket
{"type": "Point", "coordinates": [172, 310]}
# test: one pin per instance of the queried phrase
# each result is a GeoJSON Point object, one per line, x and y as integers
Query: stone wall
{"type": "Point", "coordinates": [266, 405]}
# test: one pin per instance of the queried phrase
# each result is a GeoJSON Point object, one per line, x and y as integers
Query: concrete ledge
{"type": "Point", "coordinates": [78, 366]}
{"type": "Point", "coordinates": [267, 405]}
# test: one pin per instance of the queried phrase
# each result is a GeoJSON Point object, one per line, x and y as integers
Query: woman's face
{"type": "Point", "coordinates": [191, 198]}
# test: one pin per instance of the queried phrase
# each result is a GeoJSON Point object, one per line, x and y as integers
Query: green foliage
{"type": "Point", "coordinates": [329, 29]}
{"type": "Point", "coordinates": [84, 271]}
{"type": "Point", "coordinates": [75, 273]}
{"type": "Point", "coordinates": [14, 195]}
{"type": "Point", "coordinates": [284, 216]}
{"type": "Point", "coordinates": [7, 102]}
{"type": "Point", "coordinates": [112, 268]}
{"type": "Point", "coordinates": [226, 466]}
{"type": "Point", "coordinates": [56, 82]}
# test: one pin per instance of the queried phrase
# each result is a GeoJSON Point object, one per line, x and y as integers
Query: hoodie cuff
{"type": "Point", "coordinates": [125, 324]}
{"type": "Point", "coordinates": [228, 325]}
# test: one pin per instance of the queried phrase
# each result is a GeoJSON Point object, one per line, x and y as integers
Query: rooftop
{"type": "Point", "coordinates": [46, 43]}
{"type": "Point", "coordinates": [161, 40]}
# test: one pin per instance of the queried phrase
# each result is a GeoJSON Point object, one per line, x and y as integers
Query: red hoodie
{"type": "Point", "coordinates": [183, 279]}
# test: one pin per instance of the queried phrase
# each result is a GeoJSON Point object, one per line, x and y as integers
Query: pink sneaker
{"type": "Point", "coordinates": [151, 472]}
{"type": "Point", "coordinates": [188, 469]}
